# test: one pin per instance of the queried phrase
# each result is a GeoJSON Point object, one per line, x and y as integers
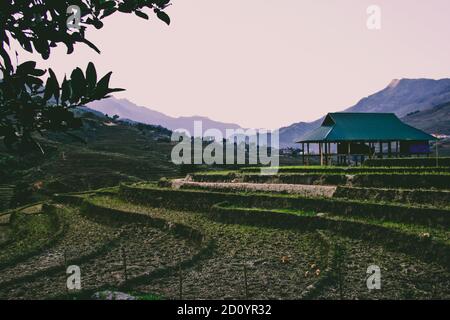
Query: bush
{"type": "Point", "coordinates": [22, 195]}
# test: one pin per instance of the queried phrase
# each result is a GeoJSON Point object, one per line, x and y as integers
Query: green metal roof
{"type": "Point", "coordinates": [350, 126]}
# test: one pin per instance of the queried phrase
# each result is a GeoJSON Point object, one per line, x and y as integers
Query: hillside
{"type": "Point", "coordinates": [128, 110]}
{"type": "Point", "coordinates": [113, 152]}
{"type": "Point", "coordinates": [401, 97]}
{"type": "Point", "coordinates": [433, 120]}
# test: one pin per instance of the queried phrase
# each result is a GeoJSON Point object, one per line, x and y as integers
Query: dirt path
{"type": "Point", "coordinates": [303, 190]}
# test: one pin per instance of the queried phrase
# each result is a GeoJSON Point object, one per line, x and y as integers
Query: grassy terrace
{"type": "Point", "coordinates": [201, 199]}
{"type": "Point", "coordinates": [408, 162]}
{"type": "Point", "coordinates": [250, 239]}
{"type": "Point", "coordinates": [379, 220]}
{"type": "Point", "coordinates": [437, 233]}
{"type": "Point", "coordinates": [425, 180]}
{"type": "Point", "coordinates": [288, 252]}
{"type": "Point", "coordinates": [27, 233]}
{"type": "Point", "coordinates": [352, 170]}
{"type": "Point", "coordinates": [262, 250]}
{"type": "Point", "coordinates": [96, 246]}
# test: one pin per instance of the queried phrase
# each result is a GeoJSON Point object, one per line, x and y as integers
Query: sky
{"type": "Point", "coordinates": [265, 64]}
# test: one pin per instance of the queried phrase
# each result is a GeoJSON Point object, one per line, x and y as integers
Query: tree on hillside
{"type": "Point", "coordinates": [29, 103]}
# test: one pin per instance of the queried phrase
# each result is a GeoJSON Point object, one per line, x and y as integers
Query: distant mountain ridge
{"type": "Point", "coordinates": [402, 97]}
{"type": "Point", "coordinates": [127, 110]}
{"type": "Point", "coordinates": [413, 100]}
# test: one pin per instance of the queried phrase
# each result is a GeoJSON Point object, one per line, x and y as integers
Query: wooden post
{"type": "Point", "coordinates": [246, 282]}
{"type": "Point", "coordinates": [303, 153]}
{"type": "Point", "coordinates": [397, 151]}
{"type": "Point", "coordinates": [307, 158]}
{"type": "Point", "coordinates": [65, 258]}
{"type": "Point", "coordinates": [321, 153]}
{"type": "Point", "coordinates": [329, 153]}
{"type": "Point", "coordinates": [326, 153]}
{"type": "Point", "coordinates": [180, 278]}
{"type": "Point", "coordinates": [437, 154]}
{"type": "Point", "coordinates": [389, 149]}
{"type": "Point", "coordinates": [348, 152]}
{"type": "Point", "coordinates": [124, 257]}
{"type": "Point", "coordinates": [65, 267]}
{"type": "Point", "coordinates": [381, 149]}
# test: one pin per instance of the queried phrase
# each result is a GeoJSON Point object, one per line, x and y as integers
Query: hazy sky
{"type": "Point", "coordinates": [263, 63]}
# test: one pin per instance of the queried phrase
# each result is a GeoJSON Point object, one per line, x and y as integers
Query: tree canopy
{"type": "Point", "coordinates": [33, 100]}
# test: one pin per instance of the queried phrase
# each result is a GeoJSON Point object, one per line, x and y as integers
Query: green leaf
{"type": "Point", "coordinates": [51, 87]}
{"type": "Point", "coordinates": [141, 14]}
{"type": "Point", "coordinates": [163, 16]}
{"type": "Point", "coordinates": [102, 86]}
{"type": "Point", "coordinates": [66, 90]}
{"type": "Point", "coordinates": [91, 77]}
{"type": "Point", "coordinates": [26, 67]}
{"type": "Point", "coordinates": [78, 85]}
{"type": "Point", "coordinates": [55, 84]}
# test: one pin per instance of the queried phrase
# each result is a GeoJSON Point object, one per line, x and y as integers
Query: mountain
{"type": "Point", "coordinates": [402, 97]}
{"type": "Point", "coordinates": [128, 110]}
{"type": "Point", "coordinates": [432, 120]}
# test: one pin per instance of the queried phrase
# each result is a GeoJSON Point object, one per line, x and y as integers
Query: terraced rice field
{"type": "Point", "coordinates": [226, 238]}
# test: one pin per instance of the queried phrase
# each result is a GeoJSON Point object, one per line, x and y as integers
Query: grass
{"type": "Point", "coordinates": [389, 180]}
{"type": "Point", "coordinates": [436, 233]}
{"type": "Point", "coordinates": [202, 200]}
{"type": "Point", "coordinates": [235, 244]}
{"type": "Point", "coordinates": [28, 234]}
{"type": "Point", "coordinates": [348, 170]}
{"type": "Point", "coordinates": [241, 233]}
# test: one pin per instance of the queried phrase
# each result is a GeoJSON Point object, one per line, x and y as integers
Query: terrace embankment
{"type": "Point", "coordinates": [276, 262]}
{"type": "Point", "coordinates": [204, 200]}
{"type": "Point", "coordinates": [410, 254]}
{"type": "Point", "coordinates": [373, 180]}
{"type": "Point", "coordinates": [99, 245]}
{"type": "Point", "coordinates": [304, 190]}
{"type": "Point", "coordinates": [228, 235]}
{"type": "Point", "coordinates": [420, 197]}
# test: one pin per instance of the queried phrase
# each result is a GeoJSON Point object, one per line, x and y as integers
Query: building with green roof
{"type": "Point", "coordinates": [347, 135]}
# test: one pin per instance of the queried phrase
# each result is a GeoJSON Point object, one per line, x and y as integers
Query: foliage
{"type": "Point", "coordinates": [22, 195]}
{"type": "Point", "coordinates": [26, 104]}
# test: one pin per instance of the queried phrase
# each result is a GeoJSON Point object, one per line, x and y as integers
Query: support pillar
{"type": "Point", "coordinates": [348, 153]}
{"type": "Point", "coordinates": [321, 153]}
{"type": "Point", "coordinates": [307, 149]}
{"type": "Point", "coordinates": [381, 150]}
{"type": "Point", "coordinates": [303, 153]}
